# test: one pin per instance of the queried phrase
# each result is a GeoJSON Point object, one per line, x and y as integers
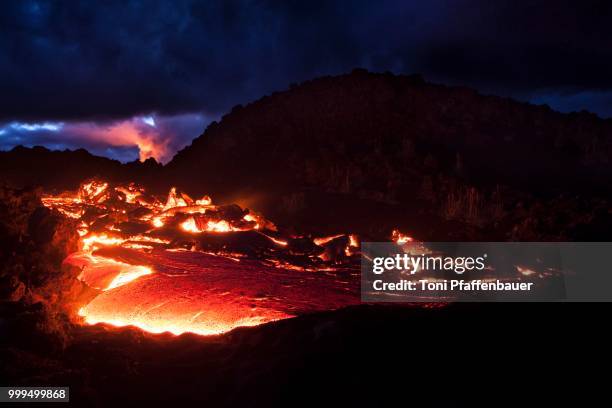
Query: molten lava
{"type": "Point", "coordinates": [208, 294]}
{"type": "Point", "coordinates": [185, 265]}
{"type": "Point", "coordinates": [400, 238]}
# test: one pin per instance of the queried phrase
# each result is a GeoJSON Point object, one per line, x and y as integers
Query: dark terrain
{"type": "Point", "coordinates": [368, 355]}
{"type": "Point", "coordinates": [367, 152]}
{"type": "Point", "coordinates": [65, 170]}
{"type": "Point", "coordinates": [357, 153]}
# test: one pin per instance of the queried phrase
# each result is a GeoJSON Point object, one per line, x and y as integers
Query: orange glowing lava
{"type": "Point", "coordinates": [400, 238]}
{"type": "Point", "coordinates": [184, 265]}
{"type": "Point", "coordinates": [325, 240]}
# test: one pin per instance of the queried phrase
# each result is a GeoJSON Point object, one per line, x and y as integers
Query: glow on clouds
{"type": "Point", "coordinates": [154, 136]}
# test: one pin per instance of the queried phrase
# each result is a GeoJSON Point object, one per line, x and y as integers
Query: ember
{"type": "Point", "coordinates": [400, 238]}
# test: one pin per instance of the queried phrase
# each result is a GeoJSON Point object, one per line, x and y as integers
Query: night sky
{"type": "Point", "coordinates": [124, 79]}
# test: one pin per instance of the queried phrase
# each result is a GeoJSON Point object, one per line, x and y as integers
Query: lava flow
{"type": "Point", "coordinates": [187, 265]}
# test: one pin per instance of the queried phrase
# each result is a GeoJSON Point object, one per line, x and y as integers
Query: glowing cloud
{"type": "Point", "coordinates": [126, 133]}
{"type": "Point", "coordinates": [152, 136]}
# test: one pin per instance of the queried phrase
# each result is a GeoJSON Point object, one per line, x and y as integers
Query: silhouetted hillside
{"type": "Point", "coordinates": [39, 166]}
{"type": "Point", "coordinates": [357, 148]}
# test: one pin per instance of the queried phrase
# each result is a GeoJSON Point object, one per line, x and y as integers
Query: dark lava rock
{"type": "Point", "coordinates": [35, 289]}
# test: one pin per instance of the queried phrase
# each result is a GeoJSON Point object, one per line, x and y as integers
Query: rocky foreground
{"type": "Point", "coordinates": [461, 354]}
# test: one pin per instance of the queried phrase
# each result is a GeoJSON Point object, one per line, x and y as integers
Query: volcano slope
{"type": "Point", "coordinates": [359, 151]}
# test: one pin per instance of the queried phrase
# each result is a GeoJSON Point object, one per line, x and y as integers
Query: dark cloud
{"type": "Point", "coordinates": [66, 60]}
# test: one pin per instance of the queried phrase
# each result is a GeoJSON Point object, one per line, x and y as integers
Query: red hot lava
{"type": "Point", "coordinates": [185, 265]}
{"type": "Point", "coordinates": [188, 265]}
